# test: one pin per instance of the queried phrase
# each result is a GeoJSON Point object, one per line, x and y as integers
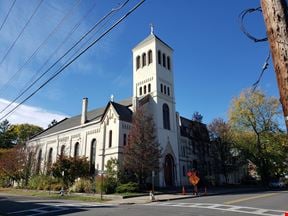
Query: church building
{"type": "Point", "coordinates": [101, 134]}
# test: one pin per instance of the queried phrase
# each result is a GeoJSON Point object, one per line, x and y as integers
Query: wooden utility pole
{"type": "Point", "coordinates": [275, 14]}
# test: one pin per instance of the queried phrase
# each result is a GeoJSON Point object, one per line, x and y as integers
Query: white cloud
{"type": "Point", "coordinates": [30, 115]}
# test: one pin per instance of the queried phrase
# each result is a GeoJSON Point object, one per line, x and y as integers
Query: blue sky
{"type": "Point", "coordinates": [213, 60]}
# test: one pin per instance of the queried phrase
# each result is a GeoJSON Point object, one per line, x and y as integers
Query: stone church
{"type": "Point", "coordinates": [101, 134]}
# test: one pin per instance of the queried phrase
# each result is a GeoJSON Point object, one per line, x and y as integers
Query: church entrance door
{"type": "Point", "coordinates": [169, 170]}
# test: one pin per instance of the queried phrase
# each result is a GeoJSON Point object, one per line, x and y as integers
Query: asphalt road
{"type": "Point", "coordinates": [262, 203]}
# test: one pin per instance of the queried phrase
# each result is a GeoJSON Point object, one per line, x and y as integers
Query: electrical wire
{"type": "Point", "coordinates": [78, 55]}
{"type": "Point", "coordinates": [17, 73]}
{"type": "Point", "coordinates": [7, 15]}
{"type": "Point", "coordinates": [242, 27]}
{"type": "Point", "coordinates": [21, 32]}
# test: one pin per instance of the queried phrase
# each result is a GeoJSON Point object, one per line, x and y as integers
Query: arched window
{"type": "Point", "coordinates": [164, 89]}
{"type": "Point", "coordinates": [159, 57]}
{"type": "Point", "coordinates": [149, 87]}
{"type": "Point", "coordinates": [76, 150]}
{"type": "Point", "coordinates": [124, 139]}
{"type": "Point", "coordinates": [62, 151]}
{"type": "Point", "coordinates": [149, 56]}
{"type": "Point", "coordinates": [39, 159]}
{"type": "Point", "coordinates": [166, 117]}
{"type": "Point", "coordinates": [164, 60]}
{"type": "Point", "coordinates": [92, 156]}
{"type": "Point", "coordinates": [110, 138]}
{"type": "Point", "coordinates": [168, 91]}
{"type": "Point", "coordinates": [137, 62]}
{"type": "Point", "coordinates": [143, 59]}
{"type": "Point", "coordinates": [140, 91]}
{"type": "Point", "coordinates": [161, 88]}
{"type": "Point", "coordinates": [168, 63]}
{"type": "Point", "coordinates": [49, 161]}
{"type": "Point", "coordinates": [145, 89]}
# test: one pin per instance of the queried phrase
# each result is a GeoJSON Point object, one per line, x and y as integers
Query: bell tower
{"type": "Point", "coordinates": [153, 76]}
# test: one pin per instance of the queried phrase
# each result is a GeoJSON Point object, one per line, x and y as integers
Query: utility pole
{"type": "Point", "coordinates": [275, 14]}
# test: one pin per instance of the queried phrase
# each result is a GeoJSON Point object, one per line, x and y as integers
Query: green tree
{"type": "Point", "coordinates": [142, 154]}
{"type": "Point", "coordinates": [23, 132]}
{"type": "Point", "coordinates": [70, 168]}
{"type": "Point", "coordinates": [6, 137]}
{"type": "Point", "coordinates": [254, 116]}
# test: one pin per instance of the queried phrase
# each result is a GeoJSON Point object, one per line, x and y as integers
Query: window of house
{"type": "Point", "coordinates": [164, 60]}
{"type": "Point", "coordinates": [124, 139]}
{"type": "Point", "coordinates": [62, 151]}
{"type": "Point", "coordinates": [161, 88]}
{"type": "Point", "coordinates": [110, 138]}
{"type": "Point", "coordinates": [159, 57]}
{"type": "Point", "coordinates": [143, 59]}
{"type": "Point", "coordinates": [149, 56]}
{"type": "Point", "coordinates": [145, 89]}
{"type": "Point", "coordinates": [137, 62]}
{"type": "Point", "coordinates": [76, 150]}
{"type": "Point", "coordinates": [166, 116]}
{"type": "Point", "coordinates": [49, 161]}
{"type": "Point", "coordinates": [149, 87]}
{"type": "Point", "coordinates": [92, 156]}
{"type": "Point", "coordinates": [140, 91]}
{"type": "Point", "coordinates": [39, 159]}
{"type": "Point", "coordinates": [168, 63]}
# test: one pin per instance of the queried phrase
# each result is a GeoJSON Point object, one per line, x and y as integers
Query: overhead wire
{"type": "Point", "coordinates": [13, 77]}
{"type": "Point", "coordinates": [78, 55]}
{"type": "Point", "coordinates": [7, 15]}
{"type": "Point", "coordinates": [21, 32]}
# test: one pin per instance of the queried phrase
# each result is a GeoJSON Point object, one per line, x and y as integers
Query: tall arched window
{"type": "Point", "coordinates": [149, 87]}
{"type": "Point", "coordinates": [149, 56]}
{"type": "Point", "coordinates": [76, 150]}
{"type": "Point", "coordinates": [164, 89]}
{"type": "Point", "coordinates": [145, 90]}
{"type": "Point", "coordinates": [159, 57]}
{"type": "Point", "coordinates": [137, 62]}
{"type": "Point", "coordinates": [168, 63]}
{"type": "Point", "coordinates": [164, 60]}
{"type": "Point", "coordinates": [168, 91]}
{"type": "Point", "coordinates": [161, 88]}
{"type": "Point", "coordinates": [166, 117]}
{"type": "Point", "coordinates": [92, 156]}
{"type": "Point", "coordinates": [62, 151]}
{"type": "Point", "coordinates": [124, 139]}
{"type": "Point", "coordinates": [143, 59]}
{"type": "Point", "coordinates": [39, 159]}
{"type": "Point", "coordinates": [110, 138]}
{"type": "Point", "coordinates": [49, 161]}
{"type": "Point", "coordinates": [140, 91]}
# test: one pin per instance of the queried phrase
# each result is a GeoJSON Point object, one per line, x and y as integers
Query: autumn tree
{"type": "Point", "coordinates": [142, 154]}
{"type": "Point", "coordinates": [226, 157]}
{"type": "Point", "coordinates": [255, 116]}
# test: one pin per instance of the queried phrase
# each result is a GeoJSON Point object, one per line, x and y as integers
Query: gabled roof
{"type": "Point", "coordinates": [122, 109]}
{"type": "Point", "coordinates": [151, 37]}
{"type": "Point", "coordinates": [193, 129]}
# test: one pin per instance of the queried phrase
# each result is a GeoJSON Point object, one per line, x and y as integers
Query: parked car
{"type": "Point", "coordinates": [277, 184]}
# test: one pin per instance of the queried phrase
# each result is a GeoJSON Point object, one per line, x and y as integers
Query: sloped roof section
{"type": "Point", "coordinates": [94, 115]}
{"type": "Point", "coordinates": [151, 37]}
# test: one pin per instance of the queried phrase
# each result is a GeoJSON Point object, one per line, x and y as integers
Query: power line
{"type": "Point", "coordinates": [7, 15]}
{"type": "Point", "coordinates": [12, 78]}
{"type": "Point", "coordinates": [21, 32]}
{"type": "Point", "coordinates": [81, 53]}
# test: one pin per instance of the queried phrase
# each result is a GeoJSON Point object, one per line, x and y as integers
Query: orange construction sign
{"type": "Point", "coordinates": [193, 178]}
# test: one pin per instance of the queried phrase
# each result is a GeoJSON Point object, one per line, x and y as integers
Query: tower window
{"type": "Point", "coordinates": [168, 91]}
{"type": "Point", "coordinates": [110, 138]}
{"type": "Point", "coordinates": [159, 57]}
{"type": "Point", "coordinates": [164, 89]}
{"type": "Point", "coordinates": [137, 62]}
{"type": "Point", "coordinates": [149, 87]}
{"type": "Point", "coordinates": [149, 56]}
{"type": "Point", "coordinates": [161, 87]}
{"type": "Point", "coordinates": [143, 59]}
{"type": "Point", "coordinates": [140, 91]}
{"type": "Point", "coordinates": [166, 116]}
{"type": "Point", "coordinates": [168, 63]}
{"type": "Point", "coordinates": [164, 60]}
{"type": "Point", "coordinates": [145, 89]}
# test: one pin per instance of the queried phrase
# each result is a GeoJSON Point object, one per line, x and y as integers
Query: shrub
{"type": "Point", "coordinates": [129, 187]}
{"type": "Point", "coordinates": [44, 182]}
{"type": "Point", "coordinates": [5, 182]}
{"type": "Point", "coordinates": [82, 185]}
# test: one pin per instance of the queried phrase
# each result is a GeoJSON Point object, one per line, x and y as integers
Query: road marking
{"type": "Point", "coordinates": [223, 207]}
{"type": "Point", "coordinates": [250, 198]}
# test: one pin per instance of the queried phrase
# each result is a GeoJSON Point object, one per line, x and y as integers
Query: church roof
{"type": "Point", "coordinates": [122, 108]}
{"type": "Point", "coordinates": [150, 37]}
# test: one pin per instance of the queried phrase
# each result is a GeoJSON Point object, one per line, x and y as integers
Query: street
{"type": "Point", "coordinates": [269, 203]}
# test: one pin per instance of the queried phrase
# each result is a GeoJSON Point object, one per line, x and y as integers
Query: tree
{"type": "Point", "coordinates": [254, 116]}
{"type": "Point", "coordinates": [197, 117]}
{"type": "Point", "coordinates": [6, 137]}
{"type": "Point", "coordinates": [53, 122]}
{"type": "Point", "coordinates": [23, 132]}
{"type": "Point", "coordinates": [222, 148]}
{"type": "Point", "coordinates": [70, 168]}
{"type": "Point", "coordinates": [142, 154]}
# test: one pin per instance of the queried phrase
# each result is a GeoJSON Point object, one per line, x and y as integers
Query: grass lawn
{"type": "Point", "coordinates": [52, 195]}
